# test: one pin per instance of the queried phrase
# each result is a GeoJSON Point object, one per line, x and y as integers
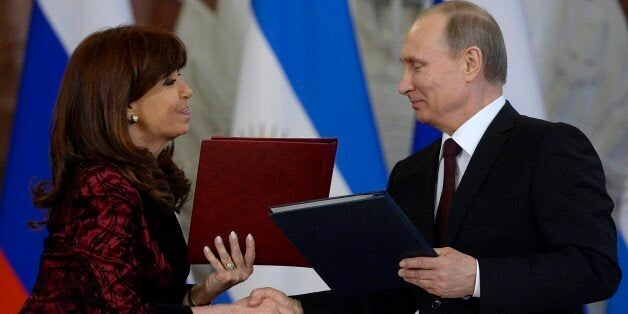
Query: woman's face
{"type": "Point", "coordinates": [163, 113]}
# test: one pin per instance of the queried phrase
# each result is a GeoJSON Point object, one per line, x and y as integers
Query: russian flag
{"type": "Point", "coordinates": [522, 86]}
{"type": "Point", "coordinates": [301, 76]}
{"type": "Point", "coordinates": [56, 28]}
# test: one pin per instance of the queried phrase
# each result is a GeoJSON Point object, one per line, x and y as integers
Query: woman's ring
{"type": "Point", "coordinates": [229, 266]}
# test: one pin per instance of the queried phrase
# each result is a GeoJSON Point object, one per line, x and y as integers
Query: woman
{"type": "Point", "coordinates": [114, 243]}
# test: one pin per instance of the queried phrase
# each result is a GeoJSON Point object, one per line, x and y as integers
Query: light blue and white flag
{"type": "Point", "coordinates": [301, 76]}
{"type": "Point", "coordinates": [56, 28]}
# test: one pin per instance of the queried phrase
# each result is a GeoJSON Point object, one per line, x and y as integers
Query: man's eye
{"type": "Point", "coordinates": [169, 81]}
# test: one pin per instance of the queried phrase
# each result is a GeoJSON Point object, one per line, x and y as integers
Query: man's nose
{"type": "Point", "coordinates": [405, 85]}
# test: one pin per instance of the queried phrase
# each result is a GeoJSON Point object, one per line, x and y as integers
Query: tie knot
{"type": "Point", "coordinates": [451, 148]}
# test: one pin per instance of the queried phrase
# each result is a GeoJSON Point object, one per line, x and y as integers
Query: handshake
{"type": "Point", "coordinates": [231, 269]}
{"type": "Point", "coordinates": [262, 300]}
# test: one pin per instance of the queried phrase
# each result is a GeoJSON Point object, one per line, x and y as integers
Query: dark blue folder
{"type": "Point", "coordinates": [355, 242]}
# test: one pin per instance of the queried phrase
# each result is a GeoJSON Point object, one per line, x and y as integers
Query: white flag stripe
{"type": "Point", "coordinates": [73, 20]}
{"type": "Point", "coordinates": [266, 104]}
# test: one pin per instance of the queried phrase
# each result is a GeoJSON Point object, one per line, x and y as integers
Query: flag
{"type": "Point", "coordinates": [56, 28]}
{"type": "Point", "coordinates": [522, 87]}
{"type": "Point", "coordinates": [619, 302]}
{"type": "Point", "coordinates": [301, 76]}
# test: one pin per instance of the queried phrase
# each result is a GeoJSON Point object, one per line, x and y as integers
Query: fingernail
{"type": "Point", "coordinates": [218, 239]}
{"type": "Point", "coordinates": [402, 263]}
{"type": "Point", "coordinates": [206, 249]}
{"type": "Point", "coordinates": [249, 237]}
{"type": "Point", "coordinates": [233, 235]}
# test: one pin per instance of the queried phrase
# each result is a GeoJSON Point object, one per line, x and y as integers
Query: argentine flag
{"type": "Point", "coordinates": [56, 28]}
{"type": "Point", "coordinates": [301, 76]}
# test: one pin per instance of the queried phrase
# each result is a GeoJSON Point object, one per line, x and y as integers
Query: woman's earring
{"type": "Point", "coordinates": [133, 119]}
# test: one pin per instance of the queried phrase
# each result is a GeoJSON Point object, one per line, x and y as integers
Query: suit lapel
{"type": "Point", "coordinates": [414, 189]}
{"type": "Point", "coordinates": [420, 207]}
{"type": "Point", "coordinates": [485, 154]}
{"type": "Point", "coordinates": [165, 229]}
{"type": "Point", "coordinates": [427, 191]}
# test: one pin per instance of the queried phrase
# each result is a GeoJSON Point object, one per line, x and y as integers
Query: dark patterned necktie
{"type": "Point", "coordinates": [450, 151]}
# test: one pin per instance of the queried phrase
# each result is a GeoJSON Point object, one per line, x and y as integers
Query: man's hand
{"type": "Point", "coordinates": [242, 307]}
{"type": "Point", "coordinates": [450, 275]}
{"type": "Point", "coordinates": [258, 296]}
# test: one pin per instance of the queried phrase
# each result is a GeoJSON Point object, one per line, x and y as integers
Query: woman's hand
{"type": "Point", "coordinates": [229, 270]}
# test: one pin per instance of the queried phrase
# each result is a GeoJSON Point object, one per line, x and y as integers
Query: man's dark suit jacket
{"type": "Point", "coordinates": [532, 207]}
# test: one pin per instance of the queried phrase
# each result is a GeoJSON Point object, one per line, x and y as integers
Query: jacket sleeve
{"type": "Point", "coordinates": [107, 245]}
{"type": "Point", "coordinates": [572, 209]}
{"type": "Point", "coordinates": [392, 301]}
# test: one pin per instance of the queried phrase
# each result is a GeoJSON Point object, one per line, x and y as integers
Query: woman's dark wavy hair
{"type": "Point", "coordinates": [107, 72]}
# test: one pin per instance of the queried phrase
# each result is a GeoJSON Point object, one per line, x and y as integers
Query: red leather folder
{"type": "Point", "coordinates": [239, 178]}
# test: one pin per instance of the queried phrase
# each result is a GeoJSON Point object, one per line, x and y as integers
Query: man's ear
{"type": "Point", "coordinates": [473, 62]}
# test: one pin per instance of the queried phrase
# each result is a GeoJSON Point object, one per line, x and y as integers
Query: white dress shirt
{"type": "Point", "coordinates": [468, 136]}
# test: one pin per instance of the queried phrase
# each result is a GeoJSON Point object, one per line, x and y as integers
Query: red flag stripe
{"type": "Point", "coordinates": [13, 293]}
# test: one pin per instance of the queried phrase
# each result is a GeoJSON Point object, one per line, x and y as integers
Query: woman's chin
{"type": "Point", "coordinates": [183, 131]}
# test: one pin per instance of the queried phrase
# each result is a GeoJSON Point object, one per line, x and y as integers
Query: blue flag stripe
{"type": "Point", "coordinates": [28, 154]}
{"type": "Point", "coordinates": [314, 42]}
{"type": "Point", "coordinates": [424, 135]}
{"type": "Point", "coordinates": [619, 302]}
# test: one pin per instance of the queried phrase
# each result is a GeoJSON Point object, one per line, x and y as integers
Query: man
{"type": "Point", "coordinates": [529, 226]}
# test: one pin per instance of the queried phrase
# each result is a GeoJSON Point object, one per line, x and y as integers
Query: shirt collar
{"type": "Point", "coordinates": [468, 135]}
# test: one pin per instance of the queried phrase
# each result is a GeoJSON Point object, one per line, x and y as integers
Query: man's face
{"type": "Point", "coordinates": [432, 80]}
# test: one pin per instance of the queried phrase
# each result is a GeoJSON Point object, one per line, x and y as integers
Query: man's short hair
{"type": "Point", "coordinates": [470, 25]}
